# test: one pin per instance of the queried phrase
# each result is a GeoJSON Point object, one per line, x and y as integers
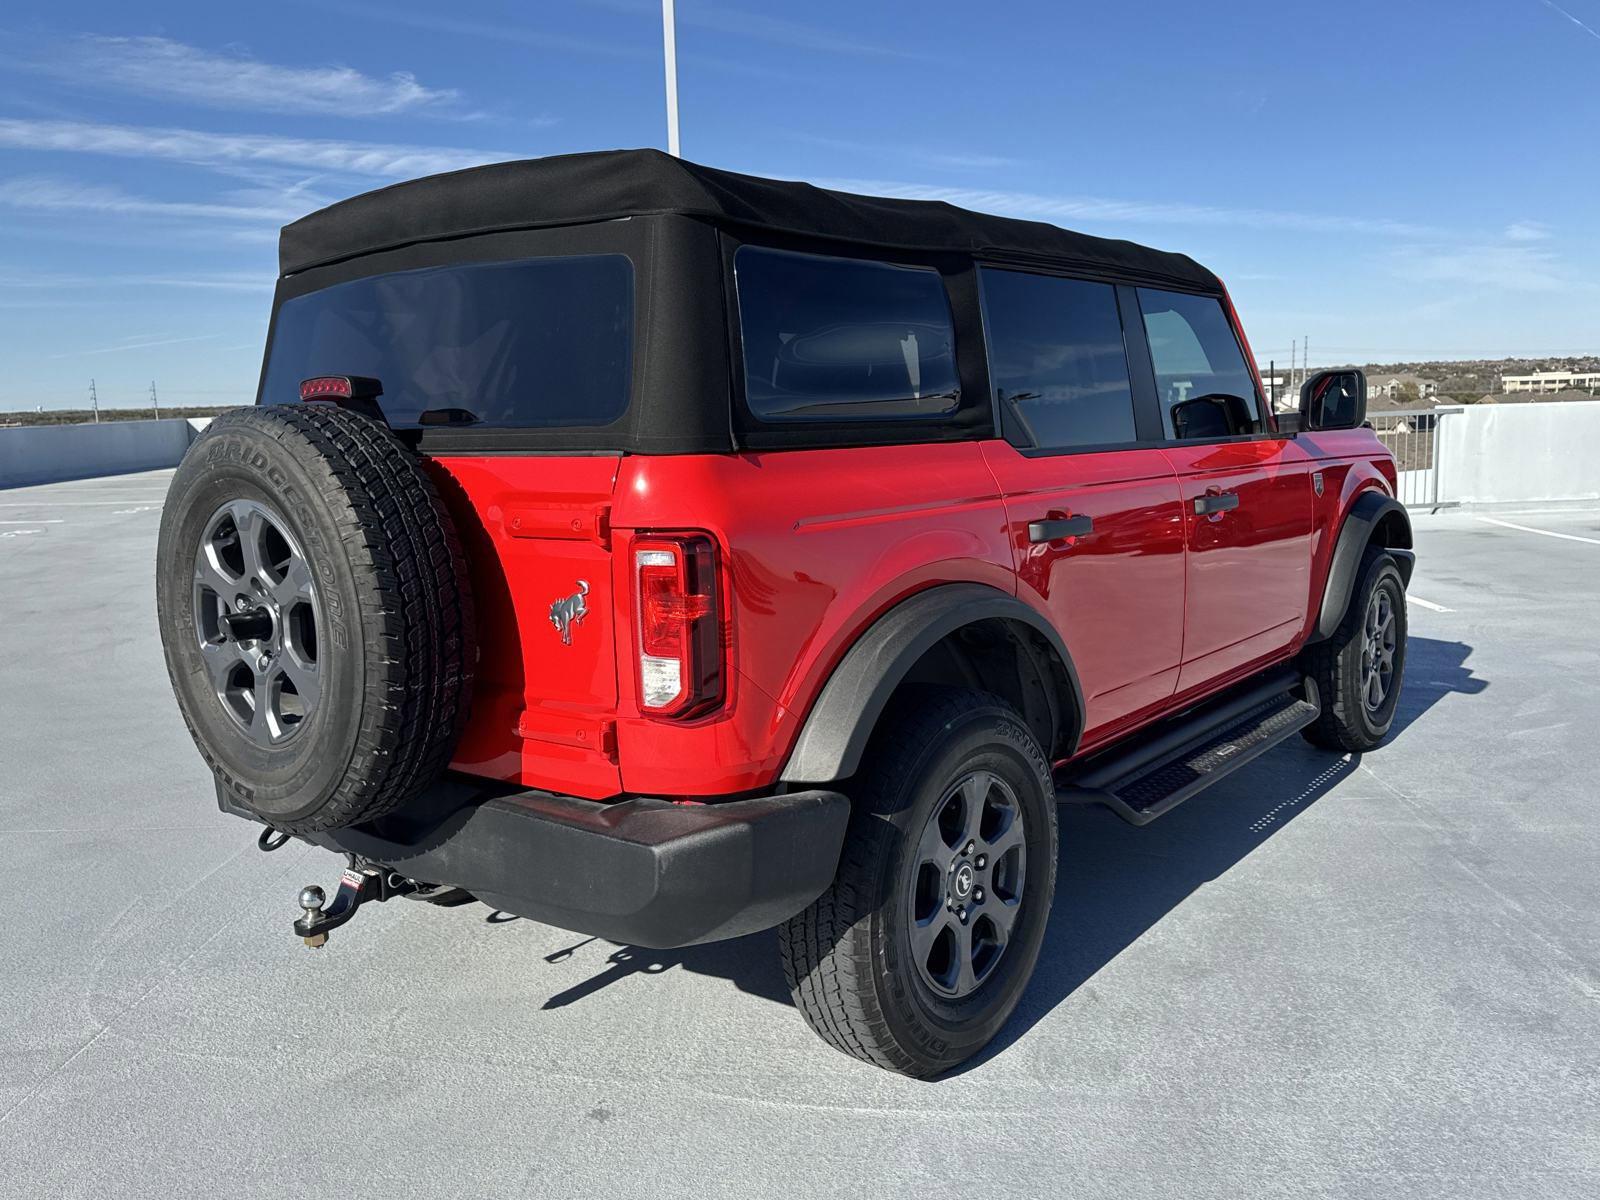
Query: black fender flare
{"type": "Point", "coordinates": [846, 710]}
{"type": "Point", "coordinates": [1371, 508]}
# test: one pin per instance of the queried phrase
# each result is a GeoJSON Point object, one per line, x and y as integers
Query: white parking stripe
{"type": "Point", "coordinates": [1570, 537]}
{"type": "Point", "coordinates": [1427, 604]}
{"type": "Point", "coordinates": [51, 521]}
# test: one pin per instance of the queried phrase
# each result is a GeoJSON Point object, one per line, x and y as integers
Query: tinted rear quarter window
{"type": "Point", "coordinates": [1056, 358]}
{"type": "Point", "coordinates": [537, 343]}
{"type": "Point", "coordinates": [829, 339]}
{"type": "Point", "coordinates": [1204, 383]}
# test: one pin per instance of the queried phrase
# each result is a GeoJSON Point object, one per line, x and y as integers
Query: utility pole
{"type": "Point", "coordinates": [94, 402]}
{"type": "Point", "coordinates": [1305, 357]}
{"type": "Point", "coordinates": [1272, 388]}
{"type": "Point", "coordinates": [154, 403]}
{"type": "Point", "coordinates": [1293, 347]}
{"type": "Point", "coordinates": [669, 37]}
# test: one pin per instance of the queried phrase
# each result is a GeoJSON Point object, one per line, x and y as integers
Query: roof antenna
{"type": "Point", "coordinates": [670, 44]}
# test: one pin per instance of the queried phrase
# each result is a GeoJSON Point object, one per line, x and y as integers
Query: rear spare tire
{"type": "Point", "coordinates": [314, 613]}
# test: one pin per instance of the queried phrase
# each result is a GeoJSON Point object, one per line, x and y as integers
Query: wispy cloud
{"type": "Point", "coordinates": [916, 155]}
{"type": "Point", "coordinates": [1489, 266]}
{"type": "Point", "coordinates": [125, 346]}
{"type": "Point", "coordinates": [57, 196]}
{"type": "Point", "coordinates": [1037, 206]}
{"type": "Point", "coordinates": [1526, 231]}
{"type": "Point", "coordinates": [1589, 29]}
{"type": "Point", "coordinates": [495, 31]}
{"type": "Point", "coordinates": [227, 281]}
{"type": "Point", "coordinates": [161, 67]}
{"type": "Point", "coordinates": [379, 159]}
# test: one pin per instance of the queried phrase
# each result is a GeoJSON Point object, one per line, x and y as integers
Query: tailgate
{"type": "Point", "coordinates": [536, 534]}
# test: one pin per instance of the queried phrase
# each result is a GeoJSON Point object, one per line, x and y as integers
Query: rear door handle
{"type": "Point", "coordinates": [1054, 529]}
{"type": "Point", "coordinates": [1215, 502]}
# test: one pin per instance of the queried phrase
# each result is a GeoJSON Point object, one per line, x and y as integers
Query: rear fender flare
{"type": "Point", "coordinates": [841, 721]}
{"type": "Point", "coordinates": [1370, 510]}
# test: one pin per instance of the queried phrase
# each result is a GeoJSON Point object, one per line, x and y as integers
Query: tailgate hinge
{"type": "Point", "coordinates": [569, 523]}
{"type": "Point", "coordinates": [596, 734]}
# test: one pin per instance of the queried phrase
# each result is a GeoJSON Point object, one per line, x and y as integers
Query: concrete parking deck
{"type": "Point", "coordinates": [1326, 977]}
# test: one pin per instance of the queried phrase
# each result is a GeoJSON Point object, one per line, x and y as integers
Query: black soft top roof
{"type": "Point", "coordinates": [576, 188]}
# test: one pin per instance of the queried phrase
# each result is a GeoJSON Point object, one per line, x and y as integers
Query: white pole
{"type": "Point", "coordinates": [670, 40]}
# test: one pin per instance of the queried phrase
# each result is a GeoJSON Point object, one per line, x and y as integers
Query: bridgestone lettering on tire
{"type": "Point", "coordinates": [314, 612]}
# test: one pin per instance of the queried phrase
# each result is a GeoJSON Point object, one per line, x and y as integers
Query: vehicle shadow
{"type": "Point", "coordinates": [1114, 881]}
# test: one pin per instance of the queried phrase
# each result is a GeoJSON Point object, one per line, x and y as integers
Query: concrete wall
{"type": "Point", "coordinates": [46, 453]}
{"type": "Point", "coordinates": [1518, 453]}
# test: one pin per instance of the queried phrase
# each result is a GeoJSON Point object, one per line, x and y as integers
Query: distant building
{"type": "Point", "coordinates": [1388, 386]}
{"type": "Point", "coordinates": [1541, 382]}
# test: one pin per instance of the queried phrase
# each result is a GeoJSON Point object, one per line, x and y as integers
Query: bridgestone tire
{"type": "Point", "coordinates": [391, 620]}
{"type": "Point", "coordinates": [847, 959]}
{"type": "Point", "coordinates": [1347, 722]}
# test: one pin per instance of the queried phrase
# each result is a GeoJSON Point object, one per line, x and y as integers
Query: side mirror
{"type": "Point", "coordinates": [1334, 400]}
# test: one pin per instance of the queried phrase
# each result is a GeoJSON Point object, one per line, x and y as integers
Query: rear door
{"type": "Point", "coordinates": [1092, 503]}
{"type": "Point", "coordinates": [1246, 493]}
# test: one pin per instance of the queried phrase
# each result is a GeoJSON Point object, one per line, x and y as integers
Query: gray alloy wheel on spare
{"type": "Point", "coordinates": [1359, 670]}
{"type": "Point", "coordinates": [918, 953]}
{"type": "Point", "coordinates": [312, 599]}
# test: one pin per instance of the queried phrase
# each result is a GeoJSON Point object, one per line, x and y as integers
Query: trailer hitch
{"type": "Point", "coordinates": [357, 886]}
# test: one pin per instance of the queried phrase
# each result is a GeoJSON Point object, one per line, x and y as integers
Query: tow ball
{"type": "Point", "coordinates": [357, 886]}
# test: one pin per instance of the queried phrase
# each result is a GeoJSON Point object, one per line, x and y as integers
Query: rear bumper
{"type": "Point", "coordinates": [645, 872]}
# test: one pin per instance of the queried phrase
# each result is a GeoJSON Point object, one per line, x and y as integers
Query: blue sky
{"type": "Point", "coordinates": [1394, 180]}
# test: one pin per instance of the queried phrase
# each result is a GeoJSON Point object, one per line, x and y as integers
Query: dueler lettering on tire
{"type": "Point", "coordinates": [314, 614]}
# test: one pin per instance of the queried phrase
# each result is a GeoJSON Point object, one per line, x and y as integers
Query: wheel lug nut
{"type": "Point", "coordinates": [982, 862]}
{"type": "Point", "coordinates": [977, 895]}
{"type": "Point", "coordinates": [962, 914]}
{"type": "Point", "coordinates": [969, 847]}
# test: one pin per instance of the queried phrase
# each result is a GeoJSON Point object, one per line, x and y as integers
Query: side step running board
{"type": "Point", "coordinates": [1156, 774]}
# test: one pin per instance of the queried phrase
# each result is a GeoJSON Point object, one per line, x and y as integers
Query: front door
{"type": "Point", "coordinates": [1092, 503]}
{"type": "Point", "coordinates": [1247, 503]}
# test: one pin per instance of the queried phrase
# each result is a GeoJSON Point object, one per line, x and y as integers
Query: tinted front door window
{"type": "Point", "coordinates": [1056, 358]}
{"type": "Point", "coordinates": [1205, 385]}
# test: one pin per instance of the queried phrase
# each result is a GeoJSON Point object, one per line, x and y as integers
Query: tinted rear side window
{"type": "Point", "coordinates": [1206, 388]}
{"type": "Point", "coordinates": [1056, 358]}
{"type": "Point", "coordinates": [843, 339]}
{"type": "Point", "coordinates": [540, 343]}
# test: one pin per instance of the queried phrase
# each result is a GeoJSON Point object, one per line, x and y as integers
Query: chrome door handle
{"type": "Point", "coordinates": [1054, 529]}
{"type": "Point", "coordinates": [1215, 502]}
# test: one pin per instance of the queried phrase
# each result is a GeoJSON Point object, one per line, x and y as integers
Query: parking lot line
{"type": "Point", "coordinates": [1427, 604]}
{"type": "Point", "coordinates": [1570, 537]}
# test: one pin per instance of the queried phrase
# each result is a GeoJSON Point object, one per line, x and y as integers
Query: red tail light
{"type": "Point", "coordinates": [677, 624]}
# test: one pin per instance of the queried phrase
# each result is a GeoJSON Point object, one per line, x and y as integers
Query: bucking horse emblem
{"type": "Point", "coordinates": [569, 611]}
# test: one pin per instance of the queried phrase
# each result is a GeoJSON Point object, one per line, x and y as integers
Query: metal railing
{"type": "Point", "coordinates": [1411, 436]}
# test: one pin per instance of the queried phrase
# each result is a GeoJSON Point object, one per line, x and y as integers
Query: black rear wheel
{"type": "Point", "coordinates": [921, 949]}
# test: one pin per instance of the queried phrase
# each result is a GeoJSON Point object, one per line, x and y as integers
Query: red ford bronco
{"type": "Point", "coordinates": [669, 554]}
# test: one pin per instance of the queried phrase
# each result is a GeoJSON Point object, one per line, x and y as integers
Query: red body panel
{"type": "Point", "coordinates": [1116, 596]}
{"type": "Point", "coordinates": [1248, 569]}
{"type": "Point", "coordinates": [1157, 607]}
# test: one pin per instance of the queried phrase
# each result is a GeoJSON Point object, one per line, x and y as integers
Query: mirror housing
{"type": "Point", "coordinates": [1334, 400]}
